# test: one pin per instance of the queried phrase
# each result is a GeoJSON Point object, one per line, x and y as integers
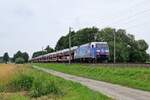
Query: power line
{"type": "Point", "coordinates": [131, 7]}
{"type": "Point", "coordinates": [136, 25]}
{"type": "Point", "coordinates": [124, 10]}
{"type": "Point", "coordinates": [132, 16]}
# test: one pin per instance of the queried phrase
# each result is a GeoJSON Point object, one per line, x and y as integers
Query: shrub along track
{"type": "Point", "coordinates": [115, 91]}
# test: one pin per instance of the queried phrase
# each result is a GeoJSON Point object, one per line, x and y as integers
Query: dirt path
{"type": "Point", "coordinates": [116, 92]}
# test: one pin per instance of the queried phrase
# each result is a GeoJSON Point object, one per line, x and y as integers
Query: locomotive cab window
{"type": "Point", "coordinates": [104, 46]}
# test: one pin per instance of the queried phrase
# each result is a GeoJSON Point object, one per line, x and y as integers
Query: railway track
{"type": "Point", "coordinates": [117, 64]}
{"type": "Point", "coordinates": [124, 65]}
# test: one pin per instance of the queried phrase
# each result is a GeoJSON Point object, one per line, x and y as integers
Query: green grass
{"type": "Point", "coordinates": [134, 77]}
{"type": "Point", "coordinates": [14, 96]}
{"type": "Point", "coordinates": [42, 85]}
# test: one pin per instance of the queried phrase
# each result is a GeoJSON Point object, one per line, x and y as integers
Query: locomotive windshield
{"type": "Point", "coordinates": [102, 46]}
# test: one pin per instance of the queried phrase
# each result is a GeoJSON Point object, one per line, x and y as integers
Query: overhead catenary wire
{"type": "Point", "coordinates": [131, 16]}
{"type": "Point", "coordinates": [110, 17]}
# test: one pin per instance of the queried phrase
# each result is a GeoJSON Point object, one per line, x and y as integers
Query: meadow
{"type": "Point", "coordinates": [131, 76]}
{"type": "Point", "coordinates": [22, 82]}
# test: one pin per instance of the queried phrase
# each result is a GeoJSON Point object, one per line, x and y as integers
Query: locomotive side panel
{"type": "Point", "coordinates": [82, 52]}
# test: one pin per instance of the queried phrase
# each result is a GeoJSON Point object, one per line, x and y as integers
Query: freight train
{"type": "Point", "coordinates": [90, 52]}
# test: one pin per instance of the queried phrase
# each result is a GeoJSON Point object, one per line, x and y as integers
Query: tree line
{"type": "Point", "coordinates": [47, 50]}
{"type": "Point", "coordinates": [23, 57]}
{"type": "Point", "coordinates": [19, 58]}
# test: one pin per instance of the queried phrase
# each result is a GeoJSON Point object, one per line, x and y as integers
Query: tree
{"type": "Point", "coordinates": [19, 60]}
{"type": "Point", "coordinates": [19, 54]}
{"type": "Point", "coordinates": [62, 43]}
{"type": "Point", "coordinates": [142, 45]}
{"type": "Point", "coordinates": [148, 58]}
{"type": "Point", "coordinates": [138, 51]}
{"type": "Point", "coordinates": [25, 56]}
{"type": "Point", "coordinates": [107, 35]}
{"type": "Point", "coordinates": [77, 38]}
{"type": "Point", "coordinates": [127, 48]}
{"type": "Point", "coordinates": [6, 58]}
{"type": "Point", "coordinates": [49, 49]}
{"type": "Point", "coordinates": [38, 53]}
{"type": "Point", "coordinates": [1, 59]}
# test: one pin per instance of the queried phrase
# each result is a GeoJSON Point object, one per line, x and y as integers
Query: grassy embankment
{"type": "Point", "coordinates": [135, 77]}
{"type": "Point", "coordinates": [21, 82]}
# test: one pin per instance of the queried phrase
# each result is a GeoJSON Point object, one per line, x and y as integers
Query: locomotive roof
{"type": "Point", "coordinates": [93, 43]}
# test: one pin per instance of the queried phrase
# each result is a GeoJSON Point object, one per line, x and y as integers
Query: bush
{"type": "Point", "coordinates": [19, 61]}
{"type": "Point", "coordinates": [21, 82]}
{"type": "Point", "coordinates": [36, 83]}
{"type": "Point", "coordinates": [2, 88]}
{"type": "Point", "coordinates": [41, 87]}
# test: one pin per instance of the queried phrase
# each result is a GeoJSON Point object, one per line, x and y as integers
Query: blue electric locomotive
{"type": "Point", "coordinates": [92, 51]}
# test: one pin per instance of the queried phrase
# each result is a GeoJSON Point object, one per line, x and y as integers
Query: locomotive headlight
{"type": "Point", "coordinates": [98, 52]}
{"type": "Point", "coordinates": [107, 51]}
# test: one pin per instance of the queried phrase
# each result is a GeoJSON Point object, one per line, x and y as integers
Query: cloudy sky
{"type": "Point", "coordinates": [28, 25]}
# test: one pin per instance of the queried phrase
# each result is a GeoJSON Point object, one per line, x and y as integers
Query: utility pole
{"type": "Point", "coordinates": [95, 37]}
{"type": "Point", "coordinates": [69, 45]}
{"type": "Point", "coordinates": [114, 33]}
{"type": "Point", "coordinates": [42, 54]}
